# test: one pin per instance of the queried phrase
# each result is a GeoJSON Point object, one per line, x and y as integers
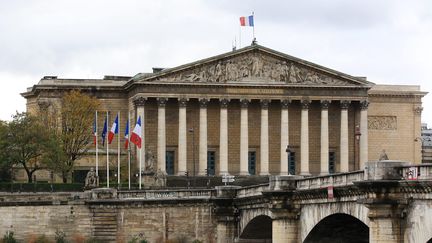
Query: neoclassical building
{"type": "Point", "coordinates": [251, 111]}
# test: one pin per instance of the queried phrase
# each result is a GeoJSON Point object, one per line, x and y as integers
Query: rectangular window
{"type": "Point", "coordinates": [252, 162]}
{"type": "Point", "coordinates": [211, 162]}
{"type": "Point", "coordinates": [332, 161]}
{"type": "Point", "coordinates": [291, 163]}
{"type": "Point", "coordinates": [169, 166]}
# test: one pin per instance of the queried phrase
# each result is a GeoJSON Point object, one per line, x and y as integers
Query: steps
{"type": "Point", "coordinates": [104, 223]}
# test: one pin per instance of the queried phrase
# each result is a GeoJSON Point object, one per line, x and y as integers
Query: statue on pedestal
{"type": "Point", "coordinates": [383, 155]}
{"type": "Point", "coordinates": [91, 180]}
{"type": "Point", "coordinates": [160, 178]}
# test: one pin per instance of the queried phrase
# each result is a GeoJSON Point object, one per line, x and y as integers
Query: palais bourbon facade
{"type": "Point", "coordinates": [251, 111]}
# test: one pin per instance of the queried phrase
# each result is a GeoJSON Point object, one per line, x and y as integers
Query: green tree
{"type": "Point", "coordinates": [23, 143]}
{"type": "Point", "coordinates": [5, 165]}
{"type": "Point", "coordinates": [71, 131]}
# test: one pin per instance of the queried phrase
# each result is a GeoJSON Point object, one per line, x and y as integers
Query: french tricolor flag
{"type": "Point", "coordinates": [113, 131]}
{"type": "Point", "coordinates": [136, 134]}
{"type": "Point", "coordinates": [247, 21]}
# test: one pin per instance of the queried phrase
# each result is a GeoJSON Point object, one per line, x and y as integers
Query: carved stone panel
{"type": "Point", "coordinates": [252, 67]}
{"type": "Point", "coordinates": [382, 122]}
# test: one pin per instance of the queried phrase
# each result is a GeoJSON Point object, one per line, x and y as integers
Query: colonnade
{"type": "Point", "coordinates": [264, 135]}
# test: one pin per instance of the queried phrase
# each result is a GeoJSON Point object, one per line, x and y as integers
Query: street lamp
{"type": "Point", "coordinates": [422, 140]}
{"type": "Point", "coordinates": [288, 150]}
{"type": "Point", "coordinates": [357, 135]}
{"type": "Point", "coordinates": [191, 130]}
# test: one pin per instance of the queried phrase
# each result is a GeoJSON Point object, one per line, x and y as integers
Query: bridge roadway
{"type": "Point", "coordinates": [389, 201]}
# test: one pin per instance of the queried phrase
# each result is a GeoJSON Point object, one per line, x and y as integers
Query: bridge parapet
{"type": "Point", "coordinates": [167, 194]}
{"type": "Point", "coordinates": [251, 191]}
{"type": "Point", "coordinates": [416, 172]}
{"type": "Point", "coordinates": [342, 179]}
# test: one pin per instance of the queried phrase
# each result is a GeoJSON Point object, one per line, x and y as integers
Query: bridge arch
{"type": "Point", "coordinates": [339, 228]}
{"type": "Point", "coordinates": [258, 230]}
{"type": "Point", "coordinates": [312, 214]}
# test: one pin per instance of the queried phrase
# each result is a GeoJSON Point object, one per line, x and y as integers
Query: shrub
{"type": "Point", "coordinates": [9, 237]}
{"type": "Point", "coordinates": [60, 237]}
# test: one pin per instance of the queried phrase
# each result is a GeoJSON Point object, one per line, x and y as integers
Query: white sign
{"type": "Point", "coordinates": [227, 178]}
{"type": "Point", "coordinates": [412, 173]}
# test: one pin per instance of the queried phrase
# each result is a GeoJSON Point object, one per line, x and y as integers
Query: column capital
{"type": "Point", "coordinates": [224, 102]}
{"type": "Point", "coordinates": [139, 101]}
{"type": "Point", "coordinates": [182, 102]}
{"type": "Point", "coordinates": [264, 103]}
{"type": "Point", "coordinates": [203, 102]}
{"type": "Point", "coordinates": [305, 103]}
{"type": "Point", "coordinates": [344, 104]}
{"type": "Point", "coordinates": [244, 103]}
{"type": "Point", "coordinates": [162, 101]}
{"type": "Point", "coordinates": [418, 110]}
{"type": "Point", "coordinates": [325, 104]}
{"type": "Point", "coordinates": [285, 103]}
{"type": "Point", "coordinates": [364, 104]}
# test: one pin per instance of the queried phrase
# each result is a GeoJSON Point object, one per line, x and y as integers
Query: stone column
{"type": "Point", "coordinates": [324, 138]}
{"type": "Point", "coordinates": [202, 137]}
{"type": "Point", "coordinates": [284, 137]}
{"type": "Point", "coordinates": [264, 139]}
{"type": "Point", "coordinates": [304, 138]}
{"type": "Point", "coordinates": [139, 105]}
{"type": "Point", "coordinates": [364, 134]}
{"type": "Point", "coordinates": [244, 137]}
{"type": "Point", "coordinates": [182, 137]}
{"type": "Point", "coordinates": [344, 162]}
{"type": "Point", "coordinates": [385, 223]}
{"type": "Point", "coordinates": [223, 137]}
{"type": "Point", "coordinates": [285, 229]}
{"type": "Point", "coordinates": [161, 144]}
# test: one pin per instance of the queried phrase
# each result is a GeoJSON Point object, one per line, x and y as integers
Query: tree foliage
{"type": "Point", "coordinates": [23, 142]}
{"type": "Point", "coordinates": [71, 131]}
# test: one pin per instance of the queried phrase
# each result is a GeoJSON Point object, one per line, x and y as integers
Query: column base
{"type": "Point", "coordinates": [244, 173]}
{"type": "Point", "coordinates": [223, 173]}
{"type": "Point", "coordinates": [305, 174]}
{"type": "Point", "coordinates": [264, 173]}
{"type": "Point", "coordinates": [181, 173]}
{"type": "Point", "coordinates": [324, 173]}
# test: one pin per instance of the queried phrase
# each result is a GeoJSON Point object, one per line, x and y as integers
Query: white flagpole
{"type": "Point", "coordinates": [118, 151]}
{"type": "Point", "coordinates": [107, 145]}
{"type": "Point", "coordinates": [140, 166]}
{"type": "Point", "coordinates": [129, 152]}
{"type": "Point", "coordinates": [97, 153]}
{"type": "Point", "coordinates": [253, 27]}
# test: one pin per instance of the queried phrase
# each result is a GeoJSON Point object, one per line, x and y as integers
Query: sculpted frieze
{"type": "Point", "coordinates": [255, 67]}
{"type": "Point", "coordinates": [382, 122]}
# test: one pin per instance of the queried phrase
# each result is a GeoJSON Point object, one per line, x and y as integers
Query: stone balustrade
{"type": "Point", "coordinates": [342, 179]}
{"type": "Point", "coordinates": [424, 172]}
{"type": "Point", "coordinates": [167, 194]}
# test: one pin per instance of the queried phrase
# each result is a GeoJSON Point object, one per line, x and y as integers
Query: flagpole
{"type": "Point", "coordinates": [107, 153]}
{"type": "Point", "coordinates": [97, 153]}
{"type": "Point", "coordinates": [129, 152]}
{"type": "Point", "coordinates": [140, 168]}
{"type": "Point", "coordinates": [118, 151]}
{"type": "Point", "coordinates": [253, 26]}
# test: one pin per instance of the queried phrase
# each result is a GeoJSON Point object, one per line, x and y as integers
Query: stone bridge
{"type": "Point", "coordinates": [387, 202]}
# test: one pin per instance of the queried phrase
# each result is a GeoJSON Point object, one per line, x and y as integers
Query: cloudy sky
{"type": "Point", "coordinates": [390, 41]}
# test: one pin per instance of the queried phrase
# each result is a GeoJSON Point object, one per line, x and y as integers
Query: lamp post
{"type": "Point", "coordinates": [422, 140]}
{"type": "Point", "coordinates": [357, 135]}
{"type": "Point", "coordinates": [288, 150]}
{"type": "Point", "coordinates": [191, 131]}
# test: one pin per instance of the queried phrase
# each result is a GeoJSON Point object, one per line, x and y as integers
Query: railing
{"type": "Point", "coordinates": [251, 191]}
{"type": "Point", "coordinates": [417, 172]}
{"type": "Point", "coordinates": [166, 194]}
{"type": "Point", "coordinates": [330, 180]}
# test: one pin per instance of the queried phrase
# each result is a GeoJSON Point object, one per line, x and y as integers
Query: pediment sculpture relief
{"type": "Point", "coordinates": [253, 66]}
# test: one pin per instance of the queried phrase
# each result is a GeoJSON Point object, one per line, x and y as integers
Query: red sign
{"type": "Point", "coordinates": [330, 194]}
{"type": "Point", "coordinates": [412, 173]}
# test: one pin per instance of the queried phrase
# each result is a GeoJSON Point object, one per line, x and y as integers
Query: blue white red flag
{"type": "Point", "coordinates": [113, 131]}
{"type": "Point", "coordinates": [127, 135]}
{"type": "Point", "coordinates": [136, 134]}
{"type": "Point", "coordinates": [247, 21]}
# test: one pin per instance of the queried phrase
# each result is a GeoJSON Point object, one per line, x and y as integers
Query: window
{"type": "Point", "coordinates": [252, 162]}
{"type": "Point", "coordinates": [291, 163]}
{"type": "Point", "coordinates": [169, 166]}
{"type": "Point", "coordinates": [332, 161]}
{"type": "Point", "coordinates": [211, 161]}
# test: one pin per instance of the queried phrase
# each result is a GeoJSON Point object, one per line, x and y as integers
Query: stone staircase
{"type": "Point", "coordinates": [104, 223]}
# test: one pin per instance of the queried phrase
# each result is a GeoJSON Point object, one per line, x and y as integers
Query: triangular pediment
{"type": "Point", "coordinates": [255, 64]}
